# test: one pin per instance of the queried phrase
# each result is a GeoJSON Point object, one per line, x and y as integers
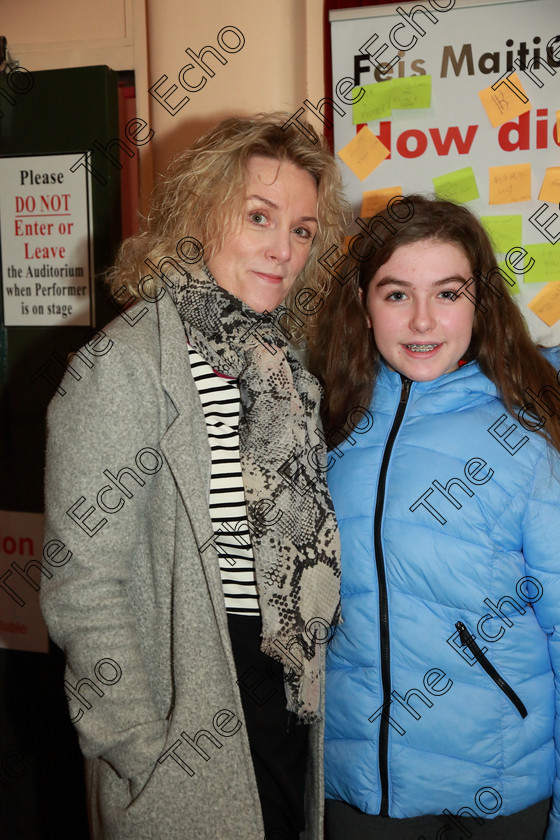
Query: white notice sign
{"type": "Point", "coordinates": [46, 234]}
{"type": "Point", "coordinates": [21, 549]}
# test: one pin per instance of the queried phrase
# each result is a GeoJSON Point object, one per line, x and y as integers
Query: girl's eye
{"type": "Point", "coordinates": [449, 294]}
{"type": "Point", "coordinates": [396, 296]}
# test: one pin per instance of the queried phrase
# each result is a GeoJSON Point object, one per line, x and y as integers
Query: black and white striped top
{"type": "Point", "coordinates": [221, 402]}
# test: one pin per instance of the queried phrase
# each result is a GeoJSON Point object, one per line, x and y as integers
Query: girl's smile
{"type": "Point", "coordinates": [421, 326]}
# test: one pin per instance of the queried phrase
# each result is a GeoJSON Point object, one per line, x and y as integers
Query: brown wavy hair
{"type": "Point", "coordinates": [342, 350]}
{"type": "Point", "coordinates": [200, 198]}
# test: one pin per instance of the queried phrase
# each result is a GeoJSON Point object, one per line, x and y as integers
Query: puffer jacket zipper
{"type": "Point", "coordinates": [468, 640]}
{"type": "Point", "coordinates": [383, 603]}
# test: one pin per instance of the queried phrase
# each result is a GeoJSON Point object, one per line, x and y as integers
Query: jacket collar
{"type": "Point", "coordinates": [187, 452]}
{"type": "Point", "coordinates": [459, 389]}
{"type": "Point", "coordinates": [174, 361]}
{"type": "Point", "coordinates": [186, 433]}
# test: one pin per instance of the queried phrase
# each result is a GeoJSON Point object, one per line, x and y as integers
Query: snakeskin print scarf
{"type": "Point", "coordinates": [290, 514]}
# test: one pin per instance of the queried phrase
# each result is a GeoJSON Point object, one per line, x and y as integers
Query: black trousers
{"type": "Point", "coordinates": [343, 822]}
{"type": "Point", "coordinates": [278, 742]}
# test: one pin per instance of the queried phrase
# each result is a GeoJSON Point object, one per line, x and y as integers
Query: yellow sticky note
{"type": "Point", "coordinates": [374, 201]}
{"type": "Point", "coordinates": [459, 185]}
{"type": "Point", "coordinates": [547, 263]}
{"type": "Point", "coordinates": [509, 100]}
{"type": "Point", "coordinates": [546, 304]}
{"type": "Point", "coordinates": [510, 183]}
{"type": "Point", "coordinates": [414, 92]}
{"type": "Point", "coordinates": [507, 272]}
{"type": "Point", "coordinates": [504, 232]}
{"type": "Point", "coordinates": [363, 153]}
{"type": "Point", "coordinates": [550, 190]}
{"type": "Point", "coordinates": [374, 104]}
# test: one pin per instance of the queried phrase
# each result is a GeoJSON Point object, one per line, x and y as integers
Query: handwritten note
{"type": "Point", "coordinates": [459, 185]}
{"type": "Point", "coordinates": [504, 231]}
{"type": "Point", "coordinates": [374, 104]}
{"type": "Point", "coordinates": [509, 100]}
{"type": "Point", "coordinates": [509, 183]}
{"type": "Point", "coordinates": [380, 98]}
{"type": "Point", "coordinates": [547, 263]}
{"type": "Point", "coordinates": [376, 200]}
{"type": "Point", "coordinates": [550, 190]}
{"type": "Point", "coordinates": [414, 92]}
{"type": "Point", "coordinates": [507, 272]}
{"type": "Point", "coordinates": [363, 153]}
{"type": "Point", "coordinates": [546, 304]}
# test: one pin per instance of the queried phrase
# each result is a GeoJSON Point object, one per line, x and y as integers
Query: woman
{"type": "Point", "coordinates": [442, 681]}
{"type": "Point", "coordinates": [202, 579]}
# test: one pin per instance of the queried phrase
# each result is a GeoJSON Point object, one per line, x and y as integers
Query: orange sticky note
{"type": "Point", "coordinates": [374, 201]}
{"type": "Point", "coordinates": [363, 153]}
{"type": "Point", "coordinates": [509, 183]}
{"type": "Point", "coordinates": [546, 304]}
{"type": "Point", "coordinates": [558, 126]}
{"type": "Point", "coordinates": [550, 190]}
{"type": "Point", "coordinates": [509, 100]}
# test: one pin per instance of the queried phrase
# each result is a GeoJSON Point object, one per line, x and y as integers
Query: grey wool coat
{"type": "Point", "coordinates": [135, 597]}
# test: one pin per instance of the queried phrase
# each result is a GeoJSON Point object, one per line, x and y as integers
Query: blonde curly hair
{"type": "Point", "coordinates": [200, 199]}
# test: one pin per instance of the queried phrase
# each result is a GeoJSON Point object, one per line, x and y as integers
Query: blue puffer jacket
{"type": "Point", "coordinates": [440, 682]}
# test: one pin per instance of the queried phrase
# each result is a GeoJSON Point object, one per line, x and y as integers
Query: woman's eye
{"type": "Point", "coordinates": [449, 294]}
{"type": "Point", "coordinates": [396, 296]}
{"type": "Point", "coordinates": [301, 231]}
{"type": "Point", "coordinates": [257, 218]}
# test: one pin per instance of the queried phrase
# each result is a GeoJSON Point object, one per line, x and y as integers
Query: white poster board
{"type": "Point", "coordinates": [46, 234]}
{"type": "Point", "coordinates": [21, 546]}
{"type": "Point", "coordinates": [464, 50]}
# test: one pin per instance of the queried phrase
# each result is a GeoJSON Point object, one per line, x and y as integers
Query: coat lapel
{"type": "Point", "coordinates": [186, 449]}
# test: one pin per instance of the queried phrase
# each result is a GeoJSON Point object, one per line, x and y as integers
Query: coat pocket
{"type": "Point", "coordinates": [139, 783]}
{"type": "Point", "coordinates": [468, 640]}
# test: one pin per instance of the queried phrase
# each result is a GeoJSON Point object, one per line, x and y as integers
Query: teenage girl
{"type": "Point", "coordinates": [443, 693]}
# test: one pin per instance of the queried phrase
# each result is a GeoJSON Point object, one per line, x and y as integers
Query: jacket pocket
{"type": "Point", "coordinates": [138, 783]}
{"type": "Point", "coordinates": [468, 640]}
